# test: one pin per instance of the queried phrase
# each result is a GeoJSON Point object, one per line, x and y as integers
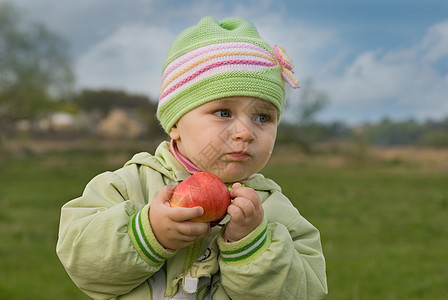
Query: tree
{"type": "Point", "coordinates": [303, 128]}
{"type": "Point", "coordinates": [35, 69]}
{"type": "Point", "coordinates": [311, 102]}
{"type": "Point", "coordinates": [106, 100]}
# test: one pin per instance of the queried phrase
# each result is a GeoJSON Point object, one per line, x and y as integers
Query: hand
{"type": "Point", "coordinates": [170, 225]}
{"type": "Point", "coordinates": [246, 213]}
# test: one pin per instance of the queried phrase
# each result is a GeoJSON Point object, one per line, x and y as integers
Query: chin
{"type": "Point", "coordinates": [232, 172]}
{"type": "Point", "coordinates": [233, 177]}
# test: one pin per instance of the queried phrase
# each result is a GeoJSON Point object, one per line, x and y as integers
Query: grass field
{"type": "Point", "coordinates": [383, 220]}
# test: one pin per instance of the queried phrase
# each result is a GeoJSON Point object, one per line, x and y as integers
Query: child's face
{"type": "Point", "coordinates": [230, 137]}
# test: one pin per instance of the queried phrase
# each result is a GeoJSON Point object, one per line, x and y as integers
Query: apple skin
{"type": "Point", "coordinates": [206, 190]}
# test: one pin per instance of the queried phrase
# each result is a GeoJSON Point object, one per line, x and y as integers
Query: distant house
{"type": "Point", "coordinates": [118, 123]}
{"type": "Point", "coordinates": [121, 123]}
{"type": "Point", "coordinates": [59, 121]}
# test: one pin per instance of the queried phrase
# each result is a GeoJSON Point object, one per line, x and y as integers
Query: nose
{"type": "Point", "coordinates": [243, 132]}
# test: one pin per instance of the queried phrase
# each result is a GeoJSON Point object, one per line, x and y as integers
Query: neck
{"type": "Point", "coordinates": [185, 162]}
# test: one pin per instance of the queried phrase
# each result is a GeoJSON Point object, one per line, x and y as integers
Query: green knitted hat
{"type": "Point", "coordinates": [215, 60]}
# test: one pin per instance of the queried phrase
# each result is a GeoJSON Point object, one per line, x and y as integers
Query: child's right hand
{"type": "Point", "coordinates": [170, 225]}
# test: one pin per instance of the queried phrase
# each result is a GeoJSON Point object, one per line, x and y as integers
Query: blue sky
{"type": "Point", "coordinates": [373, 59]}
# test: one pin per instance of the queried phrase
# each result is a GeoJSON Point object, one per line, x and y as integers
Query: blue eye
{"type": "Point", "coordinates": [262, 118]}
{"type": "Point", "coordinates": [223, 113]}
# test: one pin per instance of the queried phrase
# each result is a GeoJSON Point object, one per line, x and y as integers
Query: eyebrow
{"type": "Point", "coordinates": [261, 104]}
{"type": "Point", "coordinates": [224, 101]}
{"type": "Point", "coordinates": [232, 100]}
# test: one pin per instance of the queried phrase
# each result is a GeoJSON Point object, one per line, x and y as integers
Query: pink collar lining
{"type": "Point", "coordinates": [185, 162]}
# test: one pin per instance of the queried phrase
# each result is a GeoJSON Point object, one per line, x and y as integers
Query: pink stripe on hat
{"type": "Point", "coordinates": [211, 60]}
{"type": "Point", "coordinates": [203, 61]}
{"type": "Point", "coordinates": [210, 49]}
{"type": "Point", "coordinates": [215, 65]}
{"type": "Point", "coordinates": [211, 72]}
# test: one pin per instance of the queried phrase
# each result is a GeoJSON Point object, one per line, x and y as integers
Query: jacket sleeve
{"type": "Point", "coordinates": [96, 244]}
{"type": "Point", "coordinates": [281, 259]}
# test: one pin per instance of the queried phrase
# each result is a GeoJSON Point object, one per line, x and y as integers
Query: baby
{"type": "Point", "coordinates": [221, 99]}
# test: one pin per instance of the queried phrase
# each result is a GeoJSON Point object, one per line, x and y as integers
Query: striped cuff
{"type": "Point", "coordinates": [248, 248]}
{"type": "Point", "coordinates": [144, 241]}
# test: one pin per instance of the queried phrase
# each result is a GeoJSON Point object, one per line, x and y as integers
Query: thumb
{"type": "Point", "coordinates": [164, 195]}
{"type": "Point", "coordinates": [234, 189]}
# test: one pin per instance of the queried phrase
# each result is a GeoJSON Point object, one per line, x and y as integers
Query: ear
{"type": "Point", "coordinates": [174, 133]}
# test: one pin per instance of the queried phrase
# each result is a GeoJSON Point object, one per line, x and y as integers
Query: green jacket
{"type": "Point", "coordinates": [107, 246]}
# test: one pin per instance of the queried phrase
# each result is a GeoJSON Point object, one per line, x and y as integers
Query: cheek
{"type": "Point", "coordinates": [202, 144]}
{"type": "Point", "coordinates": [269, 141]}
{"type": "Point", "coordinates": [269, 135]}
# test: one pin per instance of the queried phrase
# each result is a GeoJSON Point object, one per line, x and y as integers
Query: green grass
{"type": "Point", "coordinates": [384, 226]}
{"type": "Point", "coordinates": [32, 191]}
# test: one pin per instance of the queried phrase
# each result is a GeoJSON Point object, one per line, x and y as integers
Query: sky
{"type": "Point", "coordinates": [373, 59]}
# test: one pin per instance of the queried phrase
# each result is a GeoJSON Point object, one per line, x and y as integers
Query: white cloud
{"type": "Point", "coordinates": [406, 78]}
{"type": "Point", "coordinates": [435, 44]}
{"type": "Point", "coordinates": [131, 59]}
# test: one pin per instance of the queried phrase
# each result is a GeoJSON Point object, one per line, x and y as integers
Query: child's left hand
{"type": "Point", "coordinates": [246, 213]}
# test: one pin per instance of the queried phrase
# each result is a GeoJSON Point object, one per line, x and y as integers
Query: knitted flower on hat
{"type": "Point", "coordinates": [214, 60]}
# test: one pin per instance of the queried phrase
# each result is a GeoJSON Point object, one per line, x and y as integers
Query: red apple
{"type": "Point", "coordinates": [206, 190]}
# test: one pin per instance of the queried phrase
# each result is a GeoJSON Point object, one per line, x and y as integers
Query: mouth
{"type": "Point", "coordinates": [239, 155]}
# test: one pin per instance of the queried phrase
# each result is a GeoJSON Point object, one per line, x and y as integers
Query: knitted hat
{"type": "Point", "coordinates": [214, 60]}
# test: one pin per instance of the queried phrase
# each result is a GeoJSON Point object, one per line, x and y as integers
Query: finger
{"type": "Point", "coordinates": [245, 192]}
{"type": "Point", "coordinates": [246, 206]}
{"type": "Point", "coordinates": [194, 229]}
{"type": "Point", "coordinates": [236, 214]}
{"type": "Point", "coordinates": [235, 187]}
{"type": "Point", "coordinates": [182, 241]}
{"type": "Point", "coordinates": [179, 214]}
